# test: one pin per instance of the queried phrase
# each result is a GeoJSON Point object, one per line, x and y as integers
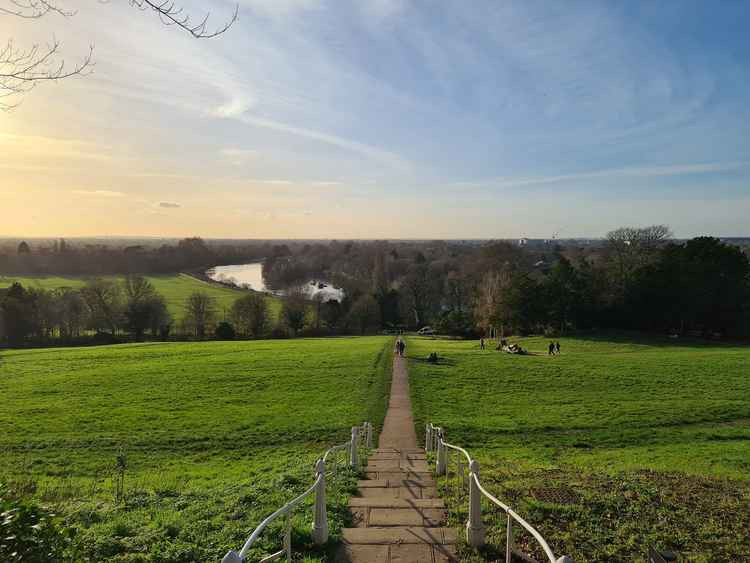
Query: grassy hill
{"type": "Point", "coordinates": [216, 436]}
{"type": "Point", "coordinates": [608, 447]}
{"type": "Point", "coordinates": [175, 288]}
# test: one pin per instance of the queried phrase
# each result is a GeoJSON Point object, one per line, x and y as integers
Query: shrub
{"type": "Point", "coordinates": [29, 533]}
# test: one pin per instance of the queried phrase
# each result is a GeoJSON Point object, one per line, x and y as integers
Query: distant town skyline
{"type": "Point", "coordinates": [386, 119]}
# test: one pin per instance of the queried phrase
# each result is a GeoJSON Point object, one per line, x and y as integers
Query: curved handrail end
{"type": "Point", "coordinates": [232, 557]}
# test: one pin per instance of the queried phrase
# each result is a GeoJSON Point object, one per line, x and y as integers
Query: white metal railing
{"type": "Point", "coordinates": [475, 529]}
{"type": "Point", "coordinates": [359, 444]}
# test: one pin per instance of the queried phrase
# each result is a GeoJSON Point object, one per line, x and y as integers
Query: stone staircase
{"type": "Point", "coordinates": [397, 514]}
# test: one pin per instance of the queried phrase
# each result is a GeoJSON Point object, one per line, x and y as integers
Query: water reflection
{"type": "Point", "coordinates": [251, 276]}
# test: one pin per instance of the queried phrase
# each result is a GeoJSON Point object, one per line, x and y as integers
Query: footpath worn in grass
{"type": "Point", "coordinates": [611, 446]}
{"type": "Point", "coordinates": [216, 436]}
{"type": "Point", "coordinates": [175, 288]}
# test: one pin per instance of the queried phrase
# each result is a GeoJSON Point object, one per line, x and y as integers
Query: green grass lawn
{"type": "Point", "coordinates": [174, 287]}
{"type": "Point", "coordinates": [216, 435]}
{"type": "Point", "coordinates": [609, 447]}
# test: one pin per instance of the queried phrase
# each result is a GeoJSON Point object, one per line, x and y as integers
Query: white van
{"type": "Point", "coordinates": [426, 331]}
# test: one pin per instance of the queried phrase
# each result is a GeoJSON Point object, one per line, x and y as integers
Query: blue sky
{"type": "Point", "coordinates": [389, 118]}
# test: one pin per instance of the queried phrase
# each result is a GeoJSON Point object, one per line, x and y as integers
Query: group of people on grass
{"type": "Point", "coordinates": [553, 349]}
{"type": "Point", "coordinates": [400, 347]}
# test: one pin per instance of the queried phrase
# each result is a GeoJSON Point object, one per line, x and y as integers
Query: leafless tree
{"type": "Point", "coordinates": [250, 314]}
{"type": "Point", "coordinates": [631, 248]}
{"type": "Point", "coordinates": [200, 313]}
{"type": "Point", "coordinates": [493, 307]}
{"type": "Point", "coordinates": [22, 68]}
{"type": "Point", "coordinates": [103, 299]}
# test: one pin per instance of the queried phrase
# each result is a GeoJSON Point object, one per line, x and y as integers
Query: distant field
{"type": "Point", "coordinates": [609, 447]}
{"type": "Point", "coordinates": [175, 289]}
{"type": "Point", "coordinates": [217, 435]}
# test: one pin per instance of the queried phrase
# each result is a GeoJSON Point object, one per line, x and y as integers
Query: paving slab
{"type": "Point", "coordinates": [399, 476]}
{"type": "Point", "coordinates": [357, 502]}
{"type": "Point", "coordinates": [411, 553]}
{"type": "Point", "coordinates": [398, 535]}
{"type": "Point", "coordinates": [430, 517]}
{"type": "Point", "coordinates": [362, 554]}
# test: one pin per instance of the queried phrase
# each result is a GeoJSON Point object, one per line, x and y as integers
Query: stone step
{"type": "Point", "coordinates": [398, 492]}
{"type": "Point", "coordinates": [359, 502]}
{"type": "Point", "coordinates": [396, 455]}
{"type": "Point", "coordinates": [368, 517]}
{"type": "Point", "coordinates": [396, 475]}
{"type": "Point", "coordinates": [402, 461]}
{"type": "Point", "coordinates": [397, 465]}
{"type": "Point", "coordinates": [404, 535]}
{"type": "Point", "coordinates": [406, 451]}
{"type": "Point", "coordinates": [396, 553]}
{"type": "Point", "coordinates": [399, 481]}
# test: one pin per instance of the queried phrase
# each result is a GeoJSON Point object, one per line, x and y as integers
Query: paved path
{"type": "Point", "coordinates": [397, 514]}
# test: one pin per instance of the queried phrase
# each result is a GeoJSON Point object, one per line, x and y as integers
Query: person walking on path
{"type": "Point", "coordinates": [551, 349]}
{"type": "Point", "coordinates": [557, 347]}
{"type": "Point", "coordinates": [401, 348]}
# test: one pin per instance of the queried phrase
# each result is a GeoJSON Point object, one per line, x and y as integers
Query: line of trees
{"type": "Point", "coordinates": [108, 311]}
{"type": "Point", "coordinates": [637, 278]}
{"type": "Point", "coordinates": [61, 257]}
{"type": "Point", "coordinates": [100, 310]}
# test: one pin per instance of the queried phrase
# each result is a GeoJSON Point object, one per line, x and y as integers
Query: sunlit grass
{"type": "Point", "coordinates": [612, 445]}
{"type": "Point", "coordinates": [216, 435]}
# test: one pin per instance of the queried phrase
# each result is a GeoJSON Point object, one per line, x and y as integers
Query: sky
{"type": "Point", "coordinates": [386, 119]}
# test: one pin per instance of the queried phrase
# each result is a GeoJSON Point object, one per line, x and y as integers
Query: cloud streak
{"type": "Point", "coordinates": [99, 193]}
{"type": "Point", "coordinates": [612, 173]}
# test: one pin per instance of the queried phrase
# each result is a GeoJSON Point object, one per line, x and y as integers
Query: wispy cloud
{"type": "Point", "coordinates": [99, 193]}
{"type": "Point", "coordinates": [611, 173]}
{"type": "Point", "coordinates": [375, 154]}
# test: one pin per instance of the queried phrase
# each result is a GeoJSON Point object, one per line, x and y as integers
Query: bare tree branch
{"type": "Point", "coordinates": [32, 9]}
{"type": "Point", "coordinates": [22, 68]}
{"type": "Point", "coordinates": [171, 14]}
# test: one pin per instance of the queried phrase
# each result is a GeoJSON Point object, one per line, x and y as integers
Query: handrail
{"type": "Point", "coordinates": [475, 531]}
{"type": "Point", "coordinates": [336, 448]}
{"type": "Point", "coordinates": [533, 531]}
{"type": "Point", "coordinates": [458, 449]}
{"type": "Point", "coordinates": [281, 511]}
{"type": "Point", "coordinates": [361, 437]}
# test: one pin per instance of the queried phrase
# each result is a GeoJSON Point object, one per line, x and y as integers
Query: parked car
{"type": "Point", "coordinates": [426, 331]}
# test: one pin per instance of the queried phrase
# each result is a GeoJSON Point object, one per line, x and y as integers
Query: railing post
{"type": "Point", "coordinates": [320, 516]}
{"type": "Point", "coordinates": [428, 437]}
{"type": "Point", "coordinates": [474, 527]}
{"type": "Point", "coordinates": [354, 461]}
{"type": "Point", "coordinates": [288, 537]}
{"type": "Point", "coordinates": [441, 455]}
{"type": "Point", "coordinates": [369, 435]}
{"type": "Point", "coordinates": [509, 539]}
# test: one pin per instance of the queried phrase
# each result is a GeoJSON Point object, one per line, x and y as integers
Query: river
{"type": "Point", "coordinates": [251, 275]}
